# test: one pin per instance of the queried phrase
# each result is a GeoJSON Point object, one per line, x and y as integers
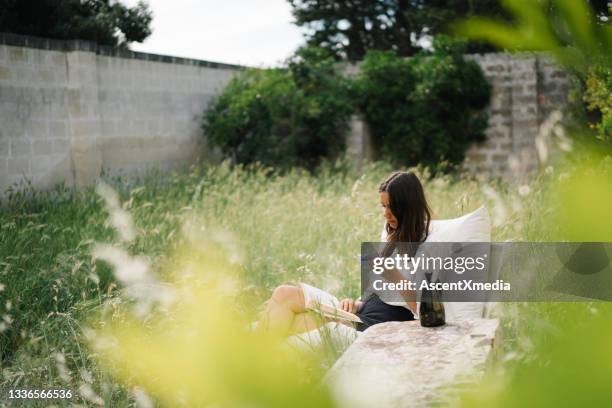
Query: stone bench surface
{"type": "Point", "coordinates": [398, 364]}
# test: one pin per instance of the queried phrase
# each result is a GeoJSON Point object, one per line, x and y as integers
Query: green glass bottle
{"type": "Point", "coordinates": [431, 310]}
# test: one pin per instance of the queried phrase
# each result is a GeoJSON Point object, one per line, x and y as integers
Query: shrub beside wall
{"type": "Point", "coordinates": [598, 97]}
{"type": "Point", "coordinates": [283, 117]}
{"type": "Point", "coordinates": [424, 110]}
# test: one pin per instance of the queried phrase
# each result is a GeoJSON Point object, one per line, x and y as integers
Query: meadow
{"type": "Point", "coordinates": [277, 227]}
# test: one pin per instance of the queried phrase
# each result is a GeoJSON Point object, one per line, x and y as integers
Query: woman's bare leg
{"type": "Point", "coordinates": [285, 303]}
{"type": "Point", "coordinates": [305, 322]}
{"type": "Point", "coordinates": [286, 313]}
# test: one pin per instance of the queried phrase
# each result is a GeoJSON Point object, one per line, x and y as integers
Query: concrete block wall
{"type": "Point", "coordinates": [527, 88]}
{"type": "Point", "coordinates": [69, 109]}
{"type": "Point", "coordinates": [34, 130]}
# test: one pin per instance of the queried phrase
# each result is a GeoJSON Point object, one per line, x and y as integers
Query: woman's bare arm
{"type": "Point", "coordinates": [409, 296]}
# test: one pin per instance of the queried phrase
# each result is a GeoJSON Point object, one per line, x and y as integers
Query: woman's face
{"type": "Point", "coordinates": [384, 201]}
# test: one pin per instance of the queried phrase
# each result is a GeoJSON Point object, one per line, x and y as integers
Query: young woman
{"type": "Point", "coordinates": [407, 218]}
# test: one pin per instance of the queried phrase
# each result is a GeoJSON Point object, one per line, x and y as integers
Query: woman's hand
{"type": "Point", "coordinates": [350, 305]}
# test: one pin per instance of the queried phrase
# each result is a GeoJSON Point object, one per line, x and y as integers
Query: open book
{"type": "Point", "coordinates": [325, 303]}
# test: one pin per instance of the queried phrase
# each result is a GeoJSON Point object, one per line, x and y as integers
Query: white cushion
{"type": "Point", "coordinates": [472, 227]}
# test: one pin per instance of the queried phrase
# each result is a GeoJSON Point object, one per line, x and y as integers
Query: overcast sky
{"type": "Point", "coordinates": [246, 32]}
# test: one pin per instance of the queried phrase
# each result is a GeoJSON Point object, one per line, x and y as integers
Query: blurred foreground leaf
{"type": "Point", "coordinates": [199, 352]}
{"type": "Point", "coordinates": [573, 36]}
{"type": "Point", "coordinates": [571, 370]}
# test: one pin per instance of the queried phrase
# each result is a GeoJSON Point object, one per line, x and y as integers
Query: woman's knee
{"type": "Point", "coordinates": [291, 296]}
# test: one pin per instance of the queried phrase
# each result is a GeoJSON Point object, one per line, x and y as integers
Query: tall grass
{"type": "Point", "coordinates": [288, 227]}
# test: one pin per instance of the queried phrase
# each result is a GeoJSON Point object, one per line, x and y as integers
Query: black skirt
{"type": "Point", "coordinates": [374, 311]}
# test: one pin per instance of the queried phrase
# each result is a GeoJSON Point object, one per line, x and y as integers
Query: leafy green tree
{"type": "Point", "coordinates": [349, 28]}
{"type": "Point", "coordinates": [103, 21]}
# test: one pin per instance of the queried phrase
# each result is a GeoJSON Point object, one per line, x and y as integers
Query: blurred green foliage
{"type": "Point", "coordinates": [558, 354]}
{"type": "Point", "coordinates": [427, 109]}
{"type": "Point", "coordinates": [567, 29]}
{"type": "Point", "coordinates": [582, 199]}
{"type": "Point", "coordinates": [560, 358]}
{"type": "Point", "coordinates": [198, 352]}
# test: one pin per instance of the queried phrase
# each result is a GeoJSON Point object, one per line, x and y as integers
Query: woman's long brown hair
{"type": "Point", "coordinates": [409, 206]}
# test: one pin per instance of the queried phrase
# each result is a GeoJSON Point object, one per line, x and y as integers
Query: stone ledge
{"type": "Point", "coordinates": [398, 364]}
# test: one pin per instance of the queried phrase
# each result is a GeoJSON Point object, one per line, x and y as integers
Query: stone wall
{"type": "Point", "coordinates": [525, 90]}
{"type": "Point", "coordinates": [69, 109]}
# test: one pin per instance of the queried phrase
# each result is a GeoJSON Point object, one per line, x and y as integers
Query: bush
{"type": "Point", "coordinates": [426, 109]}
{"type": "Point", "coordinates": [422, 110]}
{"type": "Point", "coordinates": [598, 97]}
{"type": "Point", "coordinates": [282, 117]}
